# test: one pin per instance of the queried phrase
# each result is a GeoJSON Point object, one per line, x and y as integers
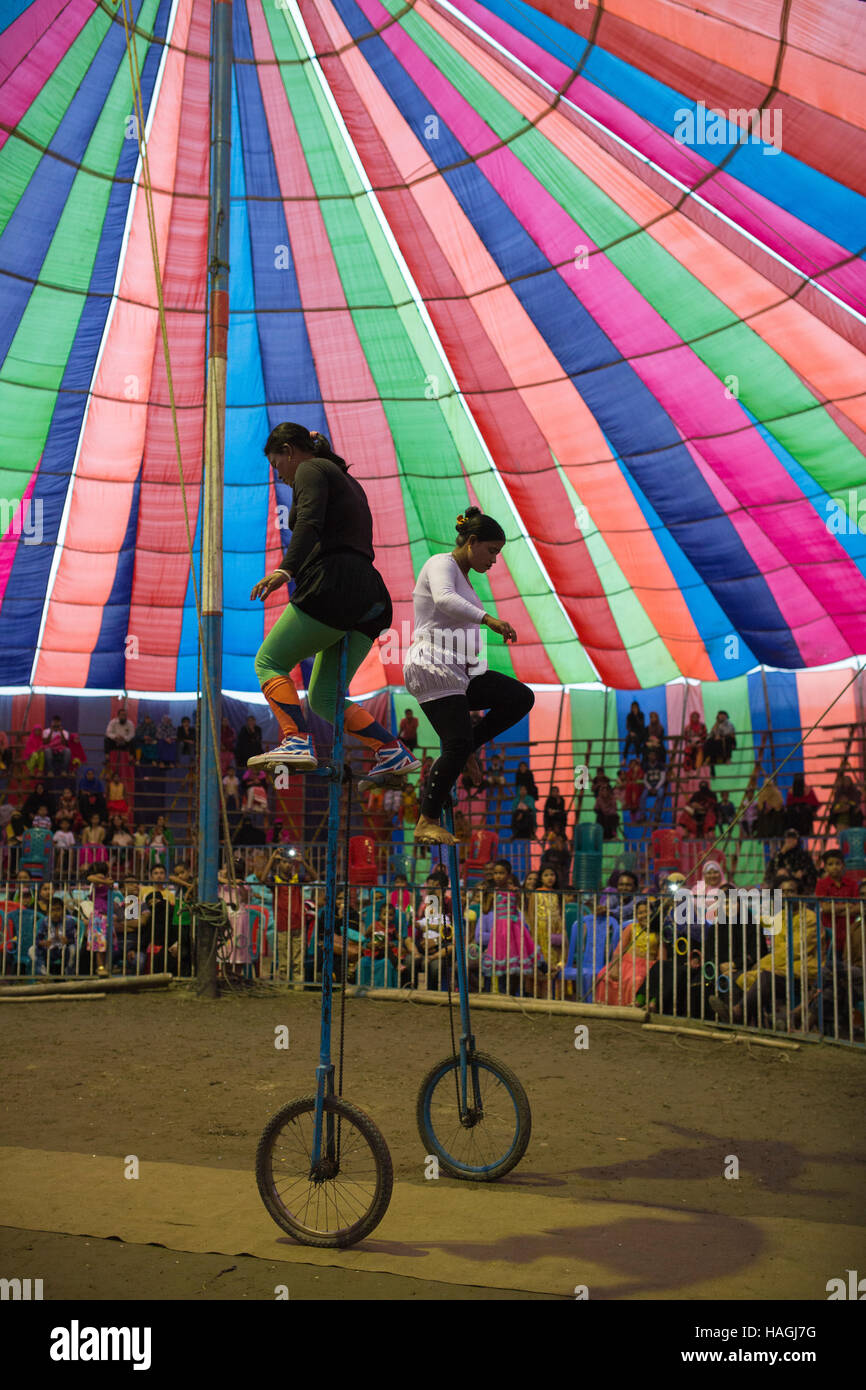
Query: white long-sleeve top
{"type": "Point", "coordinates": [446, 650]}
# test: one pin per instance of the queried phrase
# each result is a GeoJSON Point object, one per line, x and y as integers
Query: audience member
{"type": "Point", "coordinates": [694, 738]}
{"type": "Point", "coordinates": [120, 733]}
{"type": "Point", "coordinates": [792, 862]}
{"type": "Point", "coordinates": [721, 741]}
{"type": "Point", "coordinates": [56, 937]}
{"type": "Point", "coordinates": [606, 813]}
{"type": "Point", "coordinates": [117, 804]}
{"type": "Point", "coordinates": [637, 948]}
{"type": "Point", "coordinates": [185, 741]}
{"type": "Point", "coordinates": [34, 751]}
{"type": "Point", "coordinates": [93, 836]}
{"type": "Point", "coordinates": [64, 844]}
{"type": "Point", "coordinates": [523, 820]}
{"type": "Point", "coordinates": [55, 741]}
{"type": "Point", "coordinates": [635, 731]}
{"type": "Point", "coordinates": [249, 742]}
{"type": "Point", "coordinates": [148, 740]}
{"type": "Point", "coordinates": [655, 740]}
{"type": "Point", "coordinates": [555, 816]}
{"type": "Point", "coordinates": [845, 810]}
{"type": "Point", "coordinates": [801, 805]}
{"type": "Point", "coordinates": [408, 731]}
{"type": "Point", "coordinates": [699, 814]}
{"type": "Point", "coordinates": [39, 797]}
{"type": "Point", "coordinates": [509, 954]}
{"type": "Point", "coordinates": [836, 883]}
{"type": "Point", "coordinates": [653, 786]}
{"type": "Point", "coordinates": [557, 856]}
{"type": "Point", "coordinates": [770, 819]}
{"type": "Point", "coordinates": [756, 994]}
{"type": "Point", "coordinates": [524, 778]}
{"type": "Point", "coordinates": [231, 788]}
{"type": "Point", "coordinates": [166, 742]}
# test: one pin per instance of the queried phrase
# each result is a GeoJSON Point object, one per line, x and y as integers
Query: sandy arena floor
{"type": "Point", "coordinates": [622, 1188]}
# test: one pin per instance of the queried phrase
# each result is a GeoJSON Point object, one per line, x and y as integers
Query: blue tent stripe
{"type": "Point", "coordinates": [24, 599]}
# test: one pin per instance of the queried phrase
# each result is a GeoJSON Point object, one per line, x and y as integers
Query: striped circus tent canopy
{"type": "Point", "coordinates": [597, 268]}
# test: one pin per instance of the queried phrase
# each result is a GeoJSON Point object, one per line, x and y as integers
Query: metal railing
{"type": "Point", "coordinates": [746, 958]}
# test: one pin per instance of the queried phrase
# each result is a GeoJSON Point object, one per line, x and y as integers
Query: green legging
{"type": "Point", "coordinates": [293, 638]}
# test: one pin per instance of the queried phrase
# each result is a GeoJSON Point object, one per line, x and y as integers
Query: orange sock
{"type": "Point", "coordinates": [361, 723]}
{"type": "Point", "coordinates": [282, 697]}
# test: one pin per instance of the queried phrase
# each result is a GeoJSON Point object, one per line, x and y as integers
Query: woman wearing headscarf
{"type": "Point", "coordinates": [770, 819]}
{"type": "Point", "coordinates": [91, 796]}
{"type": "Point", "coordinates": [693, 740]}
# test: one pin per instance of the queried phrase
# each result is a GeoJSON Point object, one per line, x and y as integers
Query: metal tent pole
{"type": "Point", "coordinates": [212, 516]}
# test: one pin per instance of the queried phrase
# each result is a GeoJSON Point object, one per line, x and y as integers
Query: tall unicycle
{"type": "Point", "coordinates": [473, 1113]}
{"type": "Point", "coordinates": [323, 1168]}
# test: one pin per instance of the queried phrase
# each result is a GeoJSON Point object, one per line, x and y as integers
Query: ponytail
{"type": "Point", "coordinates": [473, 522]}
{"type": "Point", "coordinates": [311, 441]}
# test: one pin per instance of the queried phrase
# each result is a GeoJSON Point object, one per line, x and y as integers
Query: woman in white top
{"type": "Point", "coordinates": [445, 668]}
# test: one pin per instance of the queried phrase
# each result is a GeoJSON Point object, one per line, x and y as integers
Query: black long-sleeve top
{"type": "Point", "coordinates": [329, 512]}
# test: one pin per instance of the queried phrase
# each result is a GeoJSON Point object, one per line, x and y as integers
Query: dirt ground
{"type": "Point", "coordinates": [634, 1117]}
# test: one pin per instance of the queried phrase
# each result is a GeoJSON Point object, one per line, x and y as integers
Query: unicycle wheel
{"type": "Point", "coordinates": [348, 1194]}
{"type": "Point", "coordinates": [487, 1142]}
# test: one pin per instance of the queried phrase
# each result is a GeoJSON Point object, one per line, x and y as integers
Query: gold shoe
{"type": "Point", "coordinates": [433, 835]}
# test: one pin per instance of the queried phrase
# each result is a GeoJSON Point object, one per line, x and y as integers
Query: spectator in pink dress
{"type": "Point", "coordinates": [55, 742]}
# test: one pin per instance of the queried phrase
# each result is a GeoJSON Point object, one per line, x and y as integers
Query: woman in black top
{"type": "Point", "coordinates": [337, 590]}
{"type": "Point", "coordinates": [635, 730]}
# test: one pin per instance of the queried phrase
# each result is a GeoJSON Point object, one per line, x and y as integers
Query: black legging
{"type": "Point", "coordinates": [506, 701]}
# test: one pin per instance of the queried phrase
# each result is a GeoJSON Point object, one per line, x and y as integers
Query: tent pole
{"type": "Point", "coordinates": [212, 518]}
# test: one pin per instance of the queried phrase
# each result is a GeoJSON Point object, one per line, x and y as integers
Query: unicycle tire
{"type": "Point", "coordinates": [322, 1213]}
{"type": "Point", "coordinates": [496, 1142]}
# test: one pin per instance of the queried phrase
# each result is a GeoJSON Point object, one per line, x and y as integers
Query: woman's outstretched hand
{"type": "Point", "coordinates": [505, 630]}
{"type": "Point", "coordinates": [267, 585]}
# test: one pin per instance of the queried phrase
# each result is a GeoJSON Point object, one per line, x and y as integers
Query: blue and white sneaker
{"type": "Point", "coordinates": [296, 750]}
{"type": "Point", "coordinates": [394, 761]}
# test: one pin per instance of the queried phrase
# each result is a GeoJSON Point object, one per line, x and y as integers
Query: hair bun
{"type": "Point", "coordinates": [321, 445]}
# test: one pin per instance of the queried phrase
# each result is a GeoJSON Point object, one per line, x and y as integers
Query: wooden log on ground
{"type": "Point", "coordinates": [27, 996]}
{"type": "Point", "coordinates": [110, 985]}
{"type": "Point", "coordinates": [713, 1035]}
{"type": "Point", "coordinates": [505, 1003]}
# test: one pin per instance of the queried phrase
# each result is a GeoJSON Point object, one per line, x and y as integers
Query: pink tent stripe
{"type": "Point", "coordinates": [43, 38]}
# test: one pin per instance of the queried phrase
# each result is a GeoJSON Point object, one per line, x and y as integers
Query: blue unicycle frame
{"type": "Point", "coordinates": [458, 946]}
{"type": "Point", "coordinates": [494, 1120]}
{"type": "Point", "coordinates": [333, 770]}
